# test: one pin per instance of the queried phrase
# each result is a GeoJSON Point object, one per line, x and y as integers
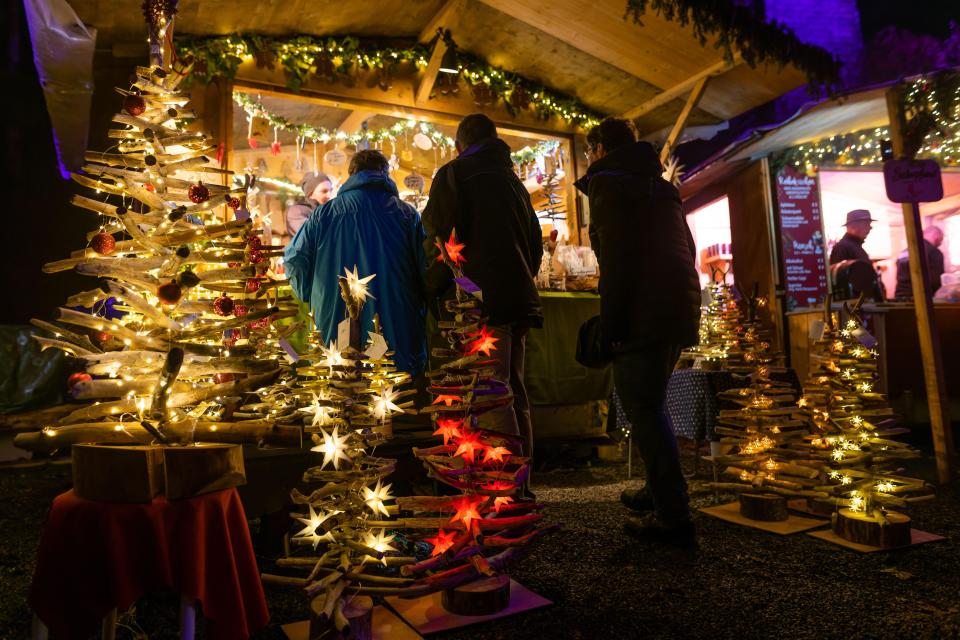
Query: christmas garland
{"type": "Point", "coordinates": [305, 132]}
{"type": "Point", "coordinates": [932, 109]}
{"type": "Point", "coordinates": [343, 58]}
{"type": "Point", "coordinates": [744, 31]}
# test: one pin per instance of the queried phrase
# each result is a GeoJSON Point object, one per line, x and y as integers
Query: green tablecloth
{"type": "Point", "coordinates": [552, 374]}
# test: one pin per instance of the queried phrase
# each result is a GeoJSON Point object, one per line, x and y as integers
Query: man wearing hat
{"type": "Point", "coordinates": [317, 190]}
{"type": "Point", "coordinates": [850, 246]}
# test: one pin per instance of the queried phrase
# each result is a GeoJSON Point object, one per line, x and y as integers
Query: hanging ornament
{"type": "Point", "coordinates": [223, 306]}
{"type": "Point", "coordinates": [252, 285]}
{"type": "Point", "coordinates": [74, 378]}
{"type": "Point", "coordinates": [254, 242]}
{"type": "Point", "coordinates": [239, 310]}
{"type": "Point", "coordinates": [393, 162]}
{"type": "Point", "coordinates": [198, 193]}
{"type": "Point", "coordinates": [234, 203]}
{"type": "Point", "coordinates": [134, 105]}
{"type": "Point", "coordinates": [262, 323]}
{"type": "Point", "coordinates": [103, 243]}
{"type": "Point", "coordinates": [519, 98]}
{"type": "Point", "coordinates": [422, 141]}
{"type": "Point", "coordinates": [384, 78]}
{"type": "Point", "coordinates": [254, 256]}
{"type": "Point", "coordinates": [406, 154]}
{"type": "Point", "coordinates": [482, 94]}
{"type": "Point", "coordinates": [298, 163]}
{"type": "Point", "coordinates": [230, 337]}
{"type": "Point", "coordinates": [149, 187]}
{"type": "Point", "coordinates": [103, 336]}
{"type": "Point", "coordinates": [335, 157]}
{"type": "Point", "coordinates": [251, 141]}
{"type": "Point", "coordinates": [275, 146]}
{"type": "Point", "coordinates": [169, 293]}
{"type": "Point", "coordinates": [414, 182]}
{"type": "Point", "coordinates": [316, 165]}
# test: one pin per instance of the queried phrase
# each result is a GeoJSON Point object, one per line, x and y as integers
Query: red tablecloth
{"type": "Point", "coordinates": [94, 556]}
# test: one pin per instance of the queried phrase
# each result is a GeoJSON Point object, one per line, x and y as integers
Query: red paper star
{"type": "Point", "coordinates": [498, 503]}
{"type": "Point", "coordinates": [466, 510]}
{"type": "Point", "coordinates": [468, 445]}
{"type": "Point", "coordinates": [448, 428]}
{"type": "Point", "coordinates": [484, 342]}
{"type": "Point", "coordinates": [441, 542]}
{"type": "Point", "coordinates": [439, 246]}
{"type": "Point", "coordinates": [499, 485]}
{"type": "Point", "coordinates": [454, 248]}
{"type": "Point", "coordinates": [446, 399]}
{"type": "Point", "coordinates": [495, 454]}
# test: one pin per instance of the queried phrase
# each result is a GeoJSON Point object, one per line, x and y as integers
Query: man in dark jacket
{"type": "Point", "coordinates": [649, 309]}
{"type": "Point", "coordinates": [479, 195]}
{"type": "Point", "coordinates": [932, 239]}
{"type": "Point", "coordinates": [317, 190]}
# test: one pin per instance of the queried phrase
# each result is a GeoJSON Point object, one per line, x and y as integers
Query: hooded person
{"type": "Point", "coordinates": [317, 190]}
{"type": "Point", "coordinates": [366, 226]}
{"type": "Point", "coordinates": [649, 310]}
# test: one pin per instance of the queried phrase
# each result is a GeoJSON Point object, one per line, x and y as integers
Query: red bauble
{"type": "Point", "coordinates": [255, 257]}
{"type": "Point", "coordinates": [240, 310]}
{"type": "Point", "coordinates": [253, 285]}
{"type": "Point", "coordinates": [230, 337]}
{"type": "Point", "coordinates": [149, 187]}
{"type": "Point", "coordinates": [134, 105]}
{"type": "Point", "coordinates": [262, 323]}
{"type": "Point", "coordinates": [234, 203]}
{"type": "Point", "coordinates": [103, 243]}
{"type": "Point", "coordinates": [223, 306]}
{"type": "Point", "coordinates": [198, 193]}
{"type": "Point", "coordinates": [220, 378]}
{"type": "Point", "coordinates": [103, 336]}
{"type": "Point", "coordinates": [74, 378]}
{"type": "Point", "coordinates": [169, 293]}
{"type": "Point", "coordinates": [254, 242]}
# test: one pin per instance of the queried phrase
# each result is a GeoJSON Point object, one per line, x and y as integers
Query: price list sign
{"type": "Point", "coordinates": [801, 238]}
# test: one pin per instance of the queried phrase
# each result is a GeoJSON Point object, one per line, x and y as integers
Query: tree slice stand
{"type": "Point", "coordinates": [820, 507]}
{"type": "Point", "coordinates": [867, 529]}
{"type": "Point", "coordinates": [352, 618]}
{"type": "Point", "coordinates": [767, 507]}
{"type": "Point", "coordinates": [479, 598]}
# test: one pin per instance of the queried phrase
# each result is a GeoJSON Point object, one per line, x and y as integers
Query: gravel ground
{"type": "Point", "coordinates": [741, 583]}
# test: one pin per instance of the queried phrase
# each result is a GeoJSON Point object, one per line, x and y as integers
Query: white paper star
{"type": "Point", "coordinates": [374, 498]}
{"type": "Point", "coordinates": [383, 404]}
{"type": "Point", "coordinates": [379, 541]}
{"type": "Point", "coordinates": [312, 522]}
{"type": "Point", "coordinates": [358, 285]}
{"type": "Point", "coordinates": [331, 355]}
{"type": "Point", "coordinates": [333, 448]}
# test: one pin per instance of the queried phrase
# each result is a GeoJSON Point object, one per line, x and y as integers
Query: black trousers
{"type": "Point", "coordinates": [641, 375]}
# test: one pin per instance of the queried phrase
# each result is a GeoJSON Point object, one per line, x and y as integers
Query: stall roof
{"type": "Point", "coordinates": [595, 53]}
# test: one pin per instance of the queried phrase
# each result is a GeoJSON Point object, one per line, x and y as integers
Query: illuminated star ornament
{"type": "Point", "coordinates": [446, 399]}
{"type": "Point", "coordinates": [374, 498]}
{"type": "Point", "coordinates": [467, 447]}
{"type": "Point", "coordinates": [448, 428]}
{"type": "Point", "coordinates": [466, 511]}
{"type": "Point", "coordinates": [320, 412]}
{"type": "Point", "coordinates": [495, 454]}
{"type": "Point", "coordinates": [484, 342]}
{"type": "Point", "coordinates": [331, 355]}
{"type": "Point", "coordinates": [380, 542]}
{"type": "Point", "coordinates": [312, 522]}
{"type": "Point", "coordinates": [357, 285]}
{"type": "Point", "coordinates": [383, 404]}
{"type": "Point", "coordinates": [441, 542]}
{"type": "Point", "coordinates": [332, 448]}
{"type": "Point", "coordinates": [454, 249]}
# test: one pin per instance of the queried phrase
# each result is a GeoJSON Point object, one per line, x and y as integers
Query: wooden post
{"type": "Point", "coordinates": [681, 122]}
{"type": "Point", "coordinates": [923, 305]}
{"type": "Point", "coordinates": [430, 74]}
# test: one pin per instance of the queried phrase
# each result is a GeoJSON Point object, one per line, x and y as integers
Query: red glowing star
{"type": "Point", "coordinates": [484, 342]}
{"type": "Point", "coordinates": [466, 510]}
{"type": "Point", "coordinates": [468, 445]}
{"type": "Point", "coordinates": [499, 485]}
{"type": "Point", "coordinates": [498, 503]}
{"type": "Point", "coordinates": [441, 542]}
{"type": "Point", "coordinates": [454, 248]}
{"type": "Point", "coordinates": [495, 454]}
{"type": "Point", "coordinates": [448, 428]}
{"type": "Point", "coordinates": [446, 399]}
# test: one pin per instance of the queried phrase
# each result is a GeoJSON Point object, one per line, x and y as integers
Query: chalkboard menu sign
{"type": "Point", "coordinates": [801, 238]}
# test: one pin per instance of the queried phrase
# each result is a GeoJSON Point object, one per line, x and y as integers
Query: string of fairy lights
{"type": "Point", "coordinates": [932, 106]}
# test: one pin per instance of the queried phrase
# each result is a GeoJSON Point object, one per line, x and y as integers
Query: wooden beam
{"type": "Point", "coordinates": [679, 89]}
{"type": "Point", "coordinates": [681, 122]}
{"type": "Point", "coordinates": [354, 120]}
{"type": "Point", "coordinates": [447, 17]}
{"type": "Point", "coordinates": [425, 88]}
{"type": "Point", "coordinates": [930, 354]}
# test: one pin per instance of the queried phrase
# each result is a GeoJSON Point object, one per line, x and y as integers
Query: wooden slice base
{"type": "Point", "coordinates": [352, 619]}
{"type": "Point", "coordinates": [864, 528]}
{"type": "Point", "coordinates": [479, 598]}
{"type": "Point", "coordinates": [200, 468]}
{"type": "Point", "coordinates": [767, 507]}
{"type": "Point", "coordinates": [117, 473]}
{"type": "Point", "coordinates": [821, 507]}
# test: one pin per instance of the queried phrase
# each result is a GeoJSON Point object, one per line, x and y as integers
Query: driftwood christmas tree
{"type": "Point", "coordinates": [853, 427]}
{"type": "Point", "coordinates": [179, 326]}
{"type": "Point", "coordinates": [348, 397]}
{"type": "Point", "coordinates": [478, 532]}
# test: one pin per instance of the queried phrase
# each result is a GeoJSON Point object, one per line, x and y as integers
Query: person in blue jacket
{"type": "Point", "coordinates": [367, 226]}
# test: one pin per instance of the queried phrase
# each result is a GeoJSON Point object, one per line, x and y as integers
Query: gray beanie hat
{"type": "Point", "coordinates": [311, 180]}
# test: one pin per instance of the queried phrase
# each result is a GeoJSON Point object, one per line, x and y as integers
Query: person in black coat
{"type": "Point", "coordinates": [649, 309]}
{"type": "Point", "coordinates": [480, 196]}
{"type": "Point", "coordinates": [932, 239]}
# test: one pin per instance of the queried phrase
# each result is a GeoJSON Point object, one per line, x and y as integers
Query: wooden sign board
{"type": "Point", "coordinates": [913, 180]}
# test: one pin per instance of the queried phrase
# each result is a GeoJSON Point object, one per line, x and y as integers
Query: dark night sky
{"type": "Point", "coordinates": [926, 16]}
